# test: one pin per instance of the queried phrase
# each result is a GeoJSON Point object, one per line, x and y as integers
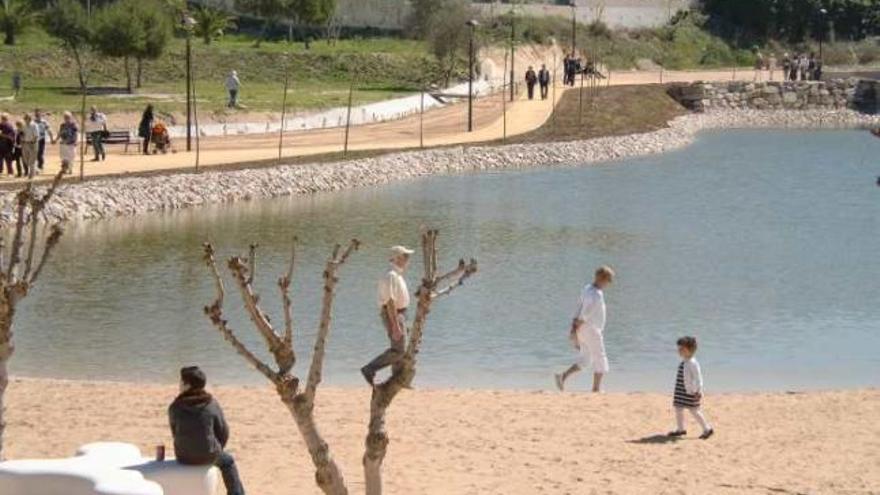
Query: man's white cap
{"type": "Point", "coordinates": [400, 250]}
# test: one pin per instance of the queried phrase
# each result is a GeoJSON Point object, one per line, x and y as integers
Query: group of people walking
{"type": "Point", "coordinates": [541, 78]}
{"type": "Point", "coordinates": [797, 67]}
{"type": "Point", "coordinates": [23, 142]}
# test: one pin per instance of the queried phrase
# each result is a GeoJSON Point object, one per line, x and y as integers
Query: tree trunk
{"type": "Point", "coordinates": [139, 72]}
{"type": "Point", "coordinates": [328, 476]}
{"type": "Point", "coordinates": [128, 85]}
{"type": "Point", "coordinates": [9, 39]}
{"type": "Point", "coordinates": [6, 349]}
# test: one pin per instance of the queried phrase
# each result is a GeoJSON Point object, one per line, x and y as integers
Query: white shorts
{"type": "Point", "coordinates": [592, 345]}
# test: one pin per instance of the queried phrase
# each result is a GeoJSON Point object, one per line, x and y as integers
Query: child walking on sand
{"type": "Point", "coordinates": [689, 389]}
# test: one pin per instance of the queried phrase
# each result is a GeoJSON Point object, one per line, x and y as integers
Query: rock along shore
{"type": "Point", "coordinates": [113, 197]}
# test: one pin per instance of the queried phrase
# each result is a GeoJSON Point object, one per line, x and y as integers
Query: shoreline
{"type": "Point", "coordinates": [492, 442]}
{"type": "Point", "coordinates": [128, 196]}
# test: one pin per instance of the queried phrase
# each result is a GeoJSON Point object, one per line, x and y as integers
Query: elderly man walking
{"type": "Point", "coordinates": [393, 300]}
{"type": "Point", "coordinates": [587, 329]}
{"type": "Point", "coordinates": [233, 86]}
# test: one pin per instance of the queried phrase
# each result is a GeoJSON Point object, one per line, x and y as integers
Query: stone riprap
{"type": "Point", "coordinates": [807, 95]}
{"type": "Point", "coordinates": [113, 197]}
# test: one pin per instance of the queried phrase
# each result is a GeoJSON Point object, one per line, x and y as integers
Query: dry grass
{"type": "Point", "coordinates": [612, 111]}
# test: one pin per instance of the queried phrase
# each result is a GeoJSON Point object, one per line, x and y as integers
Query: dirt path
{"type": "Point", "coordinates": [445, 126]}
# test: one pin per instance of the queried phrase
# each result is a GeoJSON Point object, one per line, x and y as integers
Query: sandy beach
{"type": "Point", "coordinates": [494, 442]}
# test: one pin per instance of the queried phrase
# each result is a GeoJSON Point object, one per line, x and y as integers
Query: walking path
{"type": "Point", "coordinates": [442, 127]}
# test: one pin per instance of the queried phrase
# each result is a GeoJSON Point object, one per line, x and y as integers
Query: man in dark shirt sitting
{"type": "Point", "coordinates": [199, 429]}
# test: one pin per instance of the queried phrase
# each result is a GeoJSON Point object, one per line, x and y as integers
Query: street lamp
{"type": "Point", "coordinates": [188, 23]}
{"type": "Point", "coordinates": [473, 25]}
{"type": "Point", "coordinates": [822, 16]}
{"type": "Point", "coordinates": [512, 49]}
{"type": "Point", "coordinates": [573, 5]}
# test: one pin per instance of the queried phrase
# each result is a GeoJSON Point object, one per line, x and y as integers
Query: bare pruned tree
{"type": "Point", "coordinates": [434, 285]}
{"type": "Point", "coordinates": [31, 248]}
{"type": "Point", "coordinates": [299, 401]}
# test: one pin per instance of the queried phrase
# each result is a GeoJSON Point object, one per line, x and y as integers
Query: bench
{"type": "Point", "coordinates": [106, 468]}
{"type": "Point", "coordinates": [117, 137]}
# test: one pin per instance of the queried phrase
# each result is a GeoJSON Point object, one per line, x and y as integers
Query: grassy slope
{"type": "Point", "coordinates": [320, 77]}
{"type": "Point", "coordinates": [612, 111]}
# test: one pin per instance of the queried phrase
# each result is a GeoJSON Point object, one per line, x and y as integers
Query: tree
{"type": "Point", "coordinates": [434, 285]}
{"type": "Point", "coordinates": [28, 256]}
{"type": "Point", "coordinates": [211, 23]}
{"type": "Point", "coordinates": [311, 12]}
{"type": "Point", "coordinates": [447, 33]}
{"type": "Point", "coordinates": [15, 17]}
{"type": "Point", "coordinates": [301, 402]}
{"type": "Point", "coordinates": [68, 22]}
{"type": "Point", "coordinates": [118, 33]}
{"type": "Point", "coordinates": [157, 27]}
{"type": "Point", "coordinates": [267, 10]}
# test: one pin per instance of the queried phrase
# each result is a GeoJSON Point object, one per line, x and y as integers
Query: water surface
{"type": "Point", "coordinates": [765, 245]}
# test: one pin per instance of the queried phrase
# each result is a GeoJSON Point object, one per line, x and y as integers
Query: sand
{"type": "Point", "coordinates": [495, 442]}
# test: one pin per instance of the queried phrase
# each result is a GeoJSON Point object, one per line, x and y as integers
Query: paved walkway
{"type": "Point", "coordinates": [445, 126]}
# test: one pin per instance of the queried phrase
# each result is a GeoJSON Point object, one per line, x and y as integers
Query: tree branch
{"type": "Point", "coordinates": [252, 263]}
{"type": "Point", "coordinates": [51, 242]}
{"type": "Point", "coordinates": [214, 312]}
{"type": "Point", "coordinates": [252, 305]}
{"type": "Point", "coordinates": [284, 286]}
{"type": "Point", "coordinates": [17, 239]}
{"type": "Point", "coordinates": [330, 280]}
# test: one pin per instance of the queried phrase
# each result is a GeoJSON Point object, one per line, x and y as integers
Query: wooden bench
{"type": "Point", "coordinates": [118, 137]}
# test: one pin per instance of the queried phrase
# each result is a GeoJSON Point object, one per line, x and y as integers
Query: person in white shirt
{"type": "Point", "coordinates": [30, 135]}
{"type": "Point", "coordinates": [393, 300]}
{"type": "Point", "coordinates": [689, 389]}
{"type": "Point", "coordinates": [233, 85]}
{"type": "Point", "coordinates": [45, 135]}
{"type": "Point", "coordinates": [96, 126]}
{"type": "Point", "coordinates": [587, 331]}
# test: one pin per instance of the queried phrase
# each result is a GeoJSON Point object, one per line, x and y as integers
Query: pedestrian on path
{"type": "Point", "coordinates": [16, 150]}
{"type": "Point", "coordinates": [68, 134]}
{"type": "Point", "coordinates": [96, 127]}
{"type": "Point", "coordinates": [531, 80]}
{"type": "Point", "coordinates": [7, 143]}
{"type": "Point", "coordinates": [44, 135]}
{"type": "Point", "coordinates": [145, 128]}
{"type": "Point", "coordinates": [544, 81]}
{"type": "Point", "coordinates": [587, 329]}
{"type": "Point", "coordinates": [233, 86]}
{"type": "Point", "coordinates": [30, 136]}
{"type": "Point", "coordinates": [393, 301]}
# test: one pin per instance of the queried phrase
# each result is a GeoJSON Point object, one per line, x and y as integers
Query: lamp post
{"type": "Point", "coordinates": [823, 13]}
{"type": "Point", "coordinates": [188, 23]}
{"type": "Point", "coordinates": [512, 49]}
{"type": "Point", "coordinates": [473, 25]}
{"type": "Point", "coordinates": [573, 5]}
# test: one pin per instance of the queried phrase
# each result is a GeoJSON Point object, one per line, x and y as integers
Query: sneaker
{"type": "Point", "coordinates": [368, 376]}
{"type": "Point", "coordinates": [707, 434]}
{"type": "Point", "coordinates": [677, 433]}
{"type": "Point", "coordinates": [559, 383]}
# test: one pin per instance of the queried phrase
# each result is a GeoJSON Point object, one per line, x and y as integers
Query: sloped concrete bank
{"type": "Point", "coordinates": [113, 197]}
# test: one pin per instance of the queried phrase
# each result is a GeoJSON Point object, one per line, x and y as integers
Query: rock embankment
{"type": "Point", "coordinates": [113, 197]}
{"type": "Point", "coordinates": [834, 94]}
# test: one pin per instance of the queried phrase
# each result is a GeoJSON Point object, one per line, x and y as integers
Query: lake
{"type": "Point", "coordinates": [763, 244]}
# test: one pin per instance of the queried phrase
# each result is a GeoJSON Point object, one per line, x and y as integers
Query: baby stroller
{"type": "Point", "coordinates": [160, 138]}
